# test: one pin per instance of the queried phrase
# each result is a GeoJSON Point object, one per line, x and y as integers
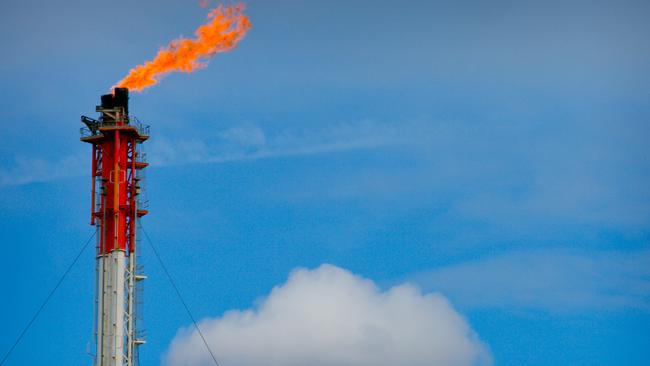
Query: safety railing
{"type": "Point", "coordinates": [142, 129]}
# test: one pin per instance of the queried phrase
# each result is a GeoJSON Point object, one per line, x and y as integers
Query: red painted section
{"type": "Point", "coordinates": [114, 167]}
{"type": "Point", "coordinates": [115, 163]}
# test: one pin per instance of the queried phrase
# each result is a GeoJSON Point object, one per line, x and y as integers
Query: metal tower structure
{"type": "Point", "coordinates": [116, 174]}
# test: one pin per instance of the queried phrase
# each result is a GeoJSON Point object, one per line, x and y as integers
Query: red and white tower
{"type": "Point", "coordinates": [116, 173]}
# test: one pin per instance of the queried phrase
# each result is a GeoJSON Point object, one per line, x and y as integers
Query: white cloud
{"type": "Point", "coordinates": [552, 280]}
{"type": "Point", "coordinates": [238, 143]}
{"type": "Point", "coordinates": [29, 170]}
{"type": "Point", "coordinates": [250, 142]}
{"type": "Point", "coordinates": [245, 135]}
{"type": "Point", "coordinates": [330, 317]}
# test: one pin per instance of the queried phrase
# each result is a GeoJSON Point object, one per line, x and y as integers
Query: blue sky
{"type": "Point", "coordinates": [495, 152]}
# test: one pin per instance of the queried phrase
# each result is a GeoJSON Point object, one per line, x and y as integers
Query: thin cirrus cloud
{"type": "Point", "coordinates": [31, 170]}
{"type": "Point", "coordinates": [239, 143]}
{"type": "Point", "coordinates": [331, 317]}
{"type": "Point", "coordinates": [250, 142]}
{"type": "Point", "coordinates": [551, 280]}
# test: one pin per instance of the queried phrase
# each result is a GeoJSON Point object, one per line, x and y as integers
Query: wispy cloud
{"type": "Point", "coordinates": [251, 142]}
{"type": "Point", "coordinates": [554, 280]}
{"type": "Point", "coordinates": [30, 170]}
{"type": "Point", "coordinates": [238, 143]}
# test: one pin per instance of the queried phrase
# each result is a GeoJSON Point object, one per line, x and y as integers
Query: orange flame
{"type": "Point", "coordinates": [227, 26]}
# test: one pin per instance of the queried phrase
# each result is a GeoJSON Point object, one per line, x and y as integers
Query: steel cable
{"type": "Point", "coordinates": [47, 299]}
{"type": "Point", "coordinates": [180, 297]}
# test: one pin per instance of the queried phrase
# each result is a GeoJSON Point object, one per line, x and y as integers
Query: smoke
{"type": "Point", "coordinates": [330, 317]}
{"type": "Point", "coordinates": [226, 28]}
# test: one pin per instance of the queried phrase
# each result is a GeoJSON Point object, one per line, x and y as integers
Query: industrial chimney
{"type": "Point", "coordinates": [116, 178]}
